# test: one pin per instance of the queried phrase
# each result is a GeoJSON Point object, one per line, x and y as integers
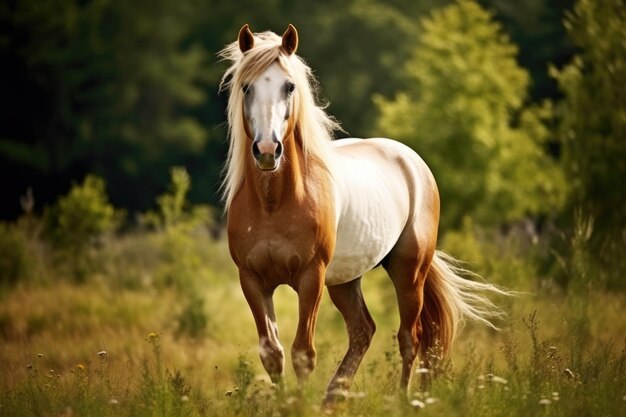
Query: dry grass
{"type": "Point", "coordinates": [53, 331]}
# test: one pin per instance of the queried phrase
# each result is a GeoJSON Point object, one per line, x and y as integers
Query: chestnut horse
{"type": "Point", "coordinates": [307, 211]}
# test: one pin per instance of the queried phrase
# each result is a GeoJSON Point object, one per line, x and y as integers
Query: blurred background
{"type": "Point", "coordinates": [518, 107]}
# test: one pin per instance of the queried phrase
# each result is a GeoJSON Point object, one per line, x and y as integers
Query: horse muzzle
{"type": "Point", "coordinates": [267, 162]}
{"type": "Point", "coordinates": [267, 155]}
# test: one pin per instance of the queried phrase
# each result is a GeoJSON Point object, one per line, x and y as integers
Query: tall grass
{"type": "Point", "coordinates": [157, 326]}
{"type": "Point", "coordinates": [539, 377]}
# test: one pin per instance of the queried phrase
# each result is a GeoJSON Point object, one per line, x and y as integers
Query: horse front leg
{"type": "Point", "coordinates": [310, 288]}
{"type": "Point", "coordinates": [262, 307]}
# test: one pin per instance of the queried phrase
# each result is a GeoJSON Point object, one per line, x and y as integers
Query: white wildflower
{"type": "Point", "coordinates": [498, 380]}
{"type": "Point", "coordinates": [418, 404]}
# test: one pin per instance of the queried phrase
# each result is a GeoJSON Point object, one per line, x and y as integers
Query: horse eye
{"type": "Point", "coordinates": [245, 88]}
{"type": "Point", "coordinates": [290, 87]}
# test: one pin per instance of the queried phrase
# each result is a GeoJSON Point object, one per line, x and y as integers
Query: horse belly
{"type": "Point", "coordinates": [356, 254]}
{"type": "Point", "coordinates": [373, 214]}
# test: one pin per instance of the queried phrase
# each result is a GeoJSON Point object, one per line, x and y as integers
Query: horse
{"type": "Point", "coordinates": [308, 211]}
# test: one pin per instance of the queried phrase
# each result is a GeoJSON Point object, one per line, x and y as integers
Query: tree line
{"type": "Point", "coordinates": [518, 108]}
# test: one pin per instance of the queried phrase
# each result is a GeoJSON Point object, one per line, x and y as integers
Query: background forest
{"type": "Point", "coordinates": [113, 137]}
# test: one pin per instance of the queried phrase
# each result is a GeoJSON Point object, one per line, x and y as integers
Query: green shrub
{"type": "Point", "coordinates": [78, 221]}
{"type": "Point", "coordinates": [591, 131]}
{"type": "Point", "coordinates": [174, 211]}
{"type": "Point", "coordinates": [503, 259]}
{"type": "Point", "coordinates": [172, 205]}
{"type": "Point", "coordinates": [83, 215]}
{"type": "Point", "coordinates": [15, 262]}
{"type": "Point", "coordinates": [193, 320]}
{"type": "Point", "coordinates": [179, 222]}
{"type": "Point", "coordinates": [181, 254]}
{"type": "Point", "coordinates": [581, 276]}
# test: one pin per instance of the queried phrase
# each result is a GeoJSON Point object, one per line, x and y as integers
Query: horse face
{"type": "Point", "coordinates": [268, 104]}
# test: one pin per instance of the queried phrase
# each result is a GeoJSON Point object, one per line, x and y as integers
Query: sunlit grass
{"type": "Point", "coordinates": [113, 346]}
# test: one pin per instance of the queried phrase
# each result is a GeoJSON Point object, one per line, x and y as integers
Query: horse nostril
{"type": "Point", "coordinates": [255, 151]}
{"type": "Point", "coordinates": [279, 150]}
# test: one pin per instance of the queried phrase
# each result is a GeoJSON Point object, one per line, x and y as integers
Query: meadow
{"type": "Point", "coordinates": [151, 321]}
{"type": "Point", "coordinates": [134, 308]}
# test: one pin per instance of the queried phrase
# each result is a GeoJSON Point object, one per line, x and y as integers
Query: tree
{"type": "Point", "coordinates": [593, 124]}
{"type": "Point", "coordinates": [535, 26]}
{"type": "Point", "coordinates": [98, 86]}
{"type": "Point", "coordinates": [465, 114]}
{"type": "Point", "coordinates": [357, 48]}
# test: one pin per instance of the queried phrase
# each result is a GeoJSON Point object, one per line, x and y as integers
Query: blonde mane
{"type": "Point", "coordinates": [313, 125]}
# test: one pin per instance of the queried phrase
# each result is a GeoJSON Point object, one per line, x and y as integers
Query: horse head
{"type": "Point", "coordinates": [268, 103]}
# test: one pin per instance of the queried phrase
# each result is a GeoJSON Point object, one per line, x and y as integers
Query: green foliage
{"type": "Point", "coordinates": [83, 215]}
{"type": "Point", "coordinates": [162, 393]}
{"type": "Point", "coordinates": [592, 128]}
{"type": "Point", "coordinates": [171, 205]}
{"type": "Point", "coordinates": [193, 320]}
{"type": "Point", "coordinates": [182, 259]}
{"type": "Point", "coordinates": [507, 260]}
{"type": "Point", "coordinates": [174, 210]}
{"type": "Point", "coordinates": [580, 283]}
{"type": "Point", "coordinates": [78, 222]}
{"type": "Point", "coordinates": [15, 260]}
{"type": "Point", "coordinates": [536, 27]}
{"type": "Point", "coordinates": [110, 84]}
{"type": "Point", "coordinates": [243, 378]}
{"type": "Point", "coordinates": [465, 114]}
{"type": "Point", "coordinates": [126, 91]}
{"type": "Point", "coordinates": [348, 75]}
{"type": "Point", "coordinates": [179, 222]}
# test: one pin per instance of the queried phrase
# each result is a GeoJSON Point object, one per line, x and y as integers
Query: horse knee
{"type": "Point", "coordinates": [303, 361]}
{"type": "Point", "coordinates": [272, 358]}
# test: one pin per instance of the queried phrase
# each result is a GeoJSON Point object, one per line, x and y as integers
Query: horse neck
{"type": "Point", "coordinates": [273, 189]}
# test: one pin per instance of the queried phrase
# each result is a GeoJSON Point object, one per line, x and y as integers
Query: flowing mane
{"type": "Point", "coordinates": [313, 126]}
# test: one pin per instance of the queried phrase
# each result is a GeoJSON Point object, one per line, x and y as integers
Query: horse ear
{"type": "Point", "coordinates": [246, 38]}
{"type": "Point", "coordinates": [290, 40]}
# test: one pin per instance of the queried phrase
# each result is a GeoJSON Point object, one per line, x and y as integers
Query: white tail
{"type": "Point", "coordinates": [449, 299]}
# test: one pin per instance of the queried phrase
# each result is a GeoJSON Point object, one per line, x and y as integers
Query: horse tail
{"type": "Point", "coordinates": [449, 299]}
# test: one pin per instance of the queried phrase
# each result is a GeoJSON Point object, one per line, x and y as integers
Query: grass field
{"type": "Point", "coordinates": [141, 338]}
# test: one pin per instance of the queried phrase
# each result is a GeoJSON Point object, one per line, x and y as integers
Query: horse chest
{"type": "Point", "coordinates": [274, 248]}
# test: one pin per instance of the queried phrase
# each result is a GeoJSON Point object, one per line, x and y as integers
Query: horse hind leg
{"type": "Point", "coordinates": [348, 299]}
{"type": "Point", "coordinates": [408, 273]}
